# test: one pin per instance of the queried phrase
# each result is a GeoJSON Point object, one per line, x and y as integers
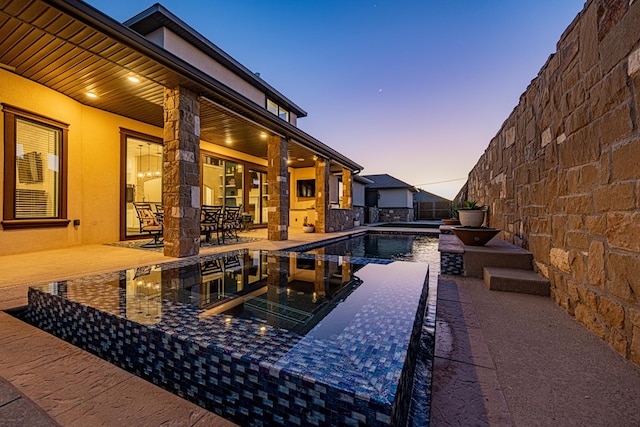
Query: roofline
{"type": "Point", "coordinates": [125, 35]}
{"type": "Point", "coordinates": [386, 187]}
{"type": "Point", "coordinates": [158, 16]}
{"type": "Point", "coordinates": [410, 187]}
{"type": "Point", "coordinates": [361, 179]}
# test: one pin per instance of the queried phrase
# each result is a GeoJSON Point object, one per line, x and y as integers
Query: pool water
{"type": "Point", "coordinates": [319, 338]}
{"type": "Point", "coordinates": [397, 247]}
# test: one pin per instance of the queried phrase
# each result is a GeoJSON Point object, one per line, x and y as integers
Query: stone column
{"type": "Point", "coordinates": [278, 183]}
{"type": "Point", "coordinates": [181, 195]}
{"type": "Point", "coordinates": [347, 189]}
{"type": "Point", "coordinates": [322, 195]}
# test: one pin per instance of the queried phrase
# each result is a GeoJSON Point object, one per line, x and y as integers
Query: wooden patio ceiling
{"type": "Point", "coordinates": [74, 49]}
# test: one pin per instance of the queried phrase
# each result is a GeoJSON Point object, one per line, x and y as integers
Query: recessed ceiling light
{"type": "Point", "coordinates": [228, 141]}
{"type": "Point", "coordinates": [133, 79]}
{"type": "Point", "coordinates": [300, 159]}
{"type": "Point", "coordinates": [91, 95]}
{"type": "Point", "coordinates": [288, 161]}
{"type": "Point", "coordinates": [263, 135]}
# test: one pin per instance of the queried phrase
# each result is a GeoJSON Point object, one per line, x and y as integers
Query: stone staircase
{"type": "Point", "coordinates": [503, 266]}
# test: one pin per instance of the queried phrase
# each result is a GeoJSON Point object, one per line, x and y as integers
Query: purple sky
{"type": "Point", "coordinates": [412, 88]}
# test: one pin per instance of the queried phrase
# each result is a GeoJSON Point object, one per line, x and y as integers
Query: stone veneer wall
{"type": "Point", "coordinates": [395, 214]}
{"type": "Point", "coordinates": [339, 220]}
{"type": "Point", "coordinates": [562, 176]}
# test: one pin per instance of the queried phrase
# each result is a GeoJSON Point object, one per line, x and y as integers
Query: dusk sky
{"type": "Point", "coordinates": [412, 88]}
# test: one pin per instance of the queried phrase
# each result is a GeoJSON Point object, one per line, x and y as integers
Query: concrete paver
{"type": "Point", "coordinates": [18, 411]}
{"type": "Point", "coordinates": [465, 389]}
{"type": "Point", "coordinates": [549, 369]}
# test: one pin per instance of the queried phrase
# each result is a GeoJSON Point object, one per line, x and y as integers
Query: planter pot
{"type": "Point", "coordinates": [451, 221]}
{"type": "Point", "coordinates": [471, 217]}
{"type": "Point", "coordinates": [474, 236]}
{"type": "Point", "coordinates": [308, 228]}
{"type": "Point", "coordinates": [356, 223]}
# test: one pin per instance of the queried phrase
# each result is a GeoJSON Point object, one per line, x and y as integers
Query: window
{"type": "Point", "coordinates": [222, 182]}
{"type": "Point", "coordinates": [277, 110]}
{"type": "Point", "coordinates": [34, 170]}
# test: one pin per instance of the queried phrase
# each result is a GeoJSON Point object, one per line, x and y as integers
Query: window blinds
{"type": "Point", "coordinates": [37, 169]}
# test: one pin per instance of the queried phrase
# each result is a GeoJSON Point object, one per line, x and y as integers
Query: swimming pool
{"type": "Point", "coordinates": [384, 246]}
{"type": "Point", "coordinates": [260, 338]}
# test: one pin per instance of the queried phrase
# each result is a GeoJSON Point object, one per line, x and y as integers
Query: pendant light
{"type": "Point", "coordinates": [158, 162]}
{"type": "Point", "coordinates": [140, 174]}
{"type": "Point", "coordinates": [148, 159]}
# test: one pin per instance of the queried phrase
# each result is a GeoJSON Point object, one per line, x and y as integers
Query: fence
{"type": "Point", "coordinates": [432, 210]}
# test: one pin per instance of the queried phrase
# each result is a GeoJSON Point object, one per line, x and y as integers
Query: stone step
{"type": "Point", "coordinates": [496, 253]}
{"type": "Point", "coordinates": [515, 280]}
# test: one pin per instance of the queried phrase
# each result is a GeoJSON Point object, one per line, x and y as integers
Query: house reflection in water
{"type": "Point", "coordinates": [287, 290]}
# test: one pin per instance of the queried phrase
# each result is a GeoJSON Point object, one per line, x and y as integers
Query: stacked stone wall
{"type": "Point", "coordinates": [395, 214]}
{"type": "Point", "coordinates": [562, 176]}
{"type": "Point", "coordinates": [339, 220]}
{"type": "Point", "coordinates": [373, 214]}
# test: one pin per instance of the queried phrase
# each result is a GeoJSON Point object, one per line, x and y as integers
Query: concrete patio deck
{"type": "Point", "coordinates": [500, 358]}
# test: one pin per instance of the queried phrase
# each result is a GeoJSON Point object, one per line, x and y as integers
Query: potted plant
{"type": "Point", "coordinates": [454, 217]}
{"type": "Point", "coordinates": [471, 214]}
{"type": "Point", "coordinates": [356, 220]}
{"type": "Point", "coordinates": [307, 227]}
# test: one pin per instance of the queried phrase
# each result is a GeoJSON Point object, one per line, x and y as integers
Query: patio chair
{"type": "Point", "coordinates": [160, 213]}
{"type": "Point", "coordinates": [210, 220]}
{"type": "Point", "coordinates": [149, 224]}
{"type": "Point", "coordinates": [231, 222]}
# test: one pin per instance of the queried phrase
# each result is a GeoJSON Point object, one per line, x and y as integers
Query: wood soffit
{"type": "Point", "coordinates": [50, 46]}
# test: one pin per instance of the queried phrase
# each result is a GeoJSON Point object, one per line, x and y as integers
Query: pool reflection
{"type": "Point", "coordinates": [285, 290]}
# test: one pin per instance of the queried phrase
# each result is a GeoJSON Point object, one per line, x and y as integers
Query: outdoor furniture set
{"type": "Point", "coordinates": [225, 221]}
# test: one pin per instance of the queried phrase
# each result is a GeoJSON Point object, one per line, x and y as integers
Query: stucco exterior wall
{"type": "Point", "coordinates": [93, 190]}
{"type": "Point", "coordinates": [181, 48]}
{"type": "Point", "coordinates": [358, 194]}
{"type": "Point", "coordinates": [562, 176]}
{"type": "Point", "coordinates": [395, 198]}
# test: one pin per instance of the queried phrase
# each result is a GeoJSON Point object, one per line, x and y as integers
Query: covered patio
{"type": "Point", "coordinates": [77, 51]}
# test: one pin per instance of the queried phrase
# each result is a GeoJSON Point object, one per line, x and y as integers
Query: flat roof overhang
{"type": "Point", "coordinates": [73, 48]}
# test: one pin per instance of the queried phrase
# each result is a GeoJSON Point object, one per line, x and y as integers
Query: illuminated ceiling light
{"type": "Point", "coordinates": [288, 161]}
{"type": "Point", "coordinates": [228, 141]}
{"type": "Point", "coordinates": [263, 135]}
{"type": "Point", "coordinates": [133, 79]}
{"type": "Point", "coordinates": [315, 157]}
{"type": "Point", "coordinates": [91, 95]}
{"type": "Point", "coordinates": [300, 159]}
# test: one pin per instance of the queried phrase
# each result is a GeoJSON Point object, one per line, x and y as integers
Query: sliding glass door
{"type": "Point", "coordinates": [142, 178]}
{"type": "Point", "coordinates": [258, 197]}
{"type": "Point", "coordinates": [233, 183]}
